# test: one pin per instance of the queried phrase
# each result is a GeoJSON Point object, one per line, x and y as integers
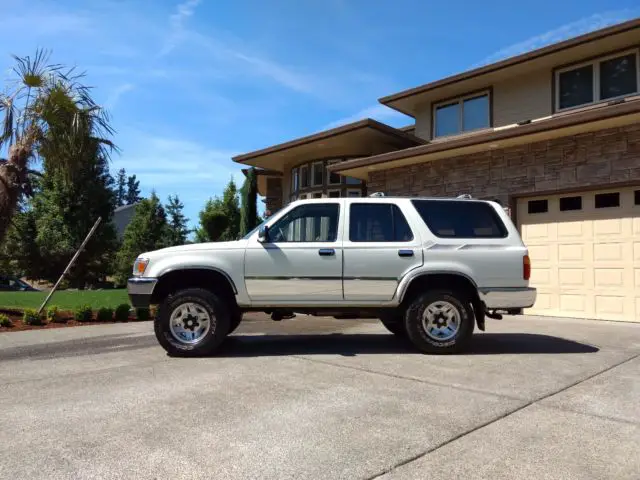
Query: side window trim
{"type": "Point", "coordinates": [338, 207]}
{"type": "Point", "coordinates": [395, 209]}
{"type": "Point", "coordinates": [502, 228]}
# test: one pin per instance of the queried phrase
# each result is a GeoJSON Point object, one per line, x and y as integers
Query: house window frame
{"type": "Point", "coordinates": [595, 65]}
{"type": "Point", "coordinates": [328, 174]}
{"type": "Point", "coordinates": [460, 101]}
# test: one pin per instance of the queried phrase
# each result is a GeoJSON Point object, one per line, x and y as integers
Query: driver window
{"type": "Point", "coordinates": [316, 222]}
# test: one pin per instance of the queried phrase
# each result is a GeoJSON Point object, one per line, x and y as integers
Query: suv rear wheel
{"type": "Point", "coordinates": [439, 321]}
{"type": "Point", "coordinates": [192, 322]}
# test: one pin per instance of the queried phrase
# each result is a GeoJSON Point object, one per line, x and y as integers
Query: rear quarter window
{"type": "Point", "coordinates": [460, 219]}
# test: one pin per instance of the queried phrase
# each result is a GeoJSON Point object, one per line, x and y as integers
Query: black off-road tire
{"type": "Point", "coordinates": [417, 333]}
{"type": "Point", "coordinates": [236, 318]}
{"type": "Point", "coordinates": [394, 323]}
{"type": "Point", "coordinates": [214, 306]}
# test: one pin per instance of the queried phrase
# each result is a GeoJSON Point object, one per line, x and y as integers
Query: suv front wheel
{"type": "Point", "coordinates": [192, 322]}
{"type": "Point", "coordinates": [439, 322]}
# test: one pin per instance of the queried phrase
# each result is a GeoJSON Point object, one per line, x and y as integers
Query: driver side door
{"type": "Point", "coordinates": [301, 260]}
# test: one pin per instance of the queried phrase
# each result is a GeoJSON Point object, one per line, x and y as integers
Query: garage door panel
{"type": "Point", "coordinates": [571, 252]}
{"type": "Point", "coordinates": [609, 226]}
{"type": "Point", "coordinates": [585, 263]}
{"type": "Point", "coordinates": [572, 230]}
{"type": "Point", "coordinates": [609, 251]}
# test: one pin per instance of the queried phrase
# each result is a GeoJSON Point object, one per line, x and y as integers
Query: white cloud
{"type": "Point", "coordinates": [177, 22]}
{"type": "Point", "coordinates": [377, 112]}
{"type": "Point", "coordinates": [164, 162]}
{"type": "Point", "coordinates": [116, 94]}
{"type": "Point", "coordinates": [564, 32]}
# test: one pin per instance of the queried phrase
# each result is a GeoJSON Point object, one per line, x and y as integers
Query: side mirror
{"type": "Point", "coordinates": [263, 234]}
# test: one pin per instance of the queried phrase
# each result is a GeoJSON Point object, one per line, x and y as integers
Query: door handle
{"type": "Point", "coordinates": [326, 252]}
{"type": "Point", "coordinates": [405, 253]}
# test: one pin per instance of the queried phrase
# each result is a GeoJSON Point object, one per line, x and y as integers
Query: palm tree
{"type": "Point", "coordinates": [48, 116]}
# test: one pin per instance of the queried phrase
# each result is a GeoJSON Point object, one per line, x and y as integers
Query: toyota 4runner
{"type": "Point", "coordinates": [430, 269]}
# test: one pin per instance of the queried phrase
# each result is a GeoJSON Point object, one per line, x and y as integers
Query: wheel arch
{"type": "Point", "coordinates": [438, 280]}
{"type": "Point", "coordinates": [172, 279]}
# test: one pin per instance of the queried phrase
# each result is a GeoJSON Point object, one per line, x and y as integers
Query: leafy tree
{"type": "Point", "coordinates": [213, 222]}
{"type": "Point", "coordinates": [220, 218]}
{"type": "Point", "coordinates": [47, 109]}
{"type": "Point", "coordinates": [133, 191]}
{"type": "Point", "coordinates": [121, 188]}
{"type": "Point", "coordinates": [249, 211]}
{"type": "Point", "coordinates": [147, 231]}
{"type": "Point", "coordinates": [177, 230]}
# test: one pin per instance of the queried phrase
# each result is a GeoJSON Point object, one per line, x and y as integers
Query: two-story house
{"type": "Point", "coordinates": [553, 134]}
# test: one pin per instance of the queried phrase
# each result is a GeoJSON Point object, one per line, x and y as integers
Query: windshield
{"type": "Point", "coordinates": [246, 237]}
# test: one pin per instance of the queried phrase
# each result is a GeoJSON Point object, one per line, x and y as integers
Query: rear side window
{"type": "Point", "coordinates": [378, 222]}
{"type": "Point", "coordinates": [460, 219]}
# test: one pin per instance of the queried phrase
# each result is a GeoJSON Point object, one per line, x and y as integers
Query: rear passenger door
{"type": "Point", "coordinates": [379, 248]}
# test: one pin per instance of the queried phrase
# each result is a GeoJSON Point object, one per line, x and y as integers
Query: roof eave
{"type": "Point", "coordinates": [613, 109]}
{"type": "Point", "coordinates": [343, 129]}
{"type": "Point", "coordinates": [540, 52]}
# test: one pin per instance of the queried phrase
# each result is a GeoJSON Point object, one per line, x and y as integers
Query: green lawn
{"type": "Point", "coordinates": [65, 299]}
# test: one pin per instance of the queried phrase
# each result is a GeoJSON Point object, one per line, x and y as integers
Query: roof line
{"type": "Point", "coordinates": [365, 123]}
{"type": "Point", "coordinates": [515, 60]}
{"type": "Point", "coordinates": [604, 112]}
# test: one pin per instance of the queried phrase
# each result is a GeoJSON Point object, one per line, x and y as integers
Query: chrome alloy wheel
{"type": "Point", "coordinates": [441, 320]}
{"type": "Point", "coordinates": [189, 323]}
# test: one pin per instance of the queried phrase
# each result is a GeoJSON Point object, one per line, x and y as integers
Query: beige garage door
{"type": "Point", "coordinates": [585, 253]}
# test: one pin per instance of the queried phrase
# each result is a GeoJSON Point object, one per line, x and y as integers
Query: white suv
{"type": "Point", "coordinates": [429, 268]}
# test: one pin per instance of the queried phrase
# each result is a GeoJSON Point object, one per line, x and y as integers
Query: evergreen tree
{"type": "Point", "coordinates": [147, 231]}
{"type": "Point", "coordinates": [177, 230]}
{"type": "Point", "coordinates": [133, 191]}
{"type": "Point", "coordinates": [121, 187]}
{"type": "Point", "coordinates": [19, 254]}
{"type": "Point", "coordinates": [249, 212]}
{"type": "Point", "coordinates": [231, 208]}
{"type": "Point", "coordinates": [64, 212]}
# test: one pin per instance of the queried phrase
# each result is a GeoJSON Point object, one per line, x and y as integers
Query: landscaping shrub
{"type": "Point", "coordinates": [83, 313]}
{"type": "Point", "coordinates": [5, 321]}
{"type": "Point", "coordinates": [54, 315]}
{"type": "Point", "coordinates": [122, 312]}
{"type": "Point", "coordinates": [143, 314]}
{"type": "Point", "coordinates": [105, 314]}
{"type": "Point", "coordinates": [31, 317]}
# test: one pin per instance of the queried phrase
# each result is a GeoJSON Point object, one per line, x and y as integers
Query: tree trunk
{"type": "Point", "coordinates": [13, 178]}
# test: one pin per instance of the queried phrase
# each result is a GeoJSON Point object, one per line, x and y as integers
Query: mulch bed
{"type": "Point", "coordinates": [19, 326]}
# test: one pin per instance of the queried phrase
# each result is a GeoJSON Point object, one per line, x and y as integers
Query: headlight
{"type": "Point", "coordinates": [139, 266]}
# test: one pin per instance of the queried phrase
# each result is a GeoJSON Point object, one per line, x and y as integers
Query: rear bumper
{"type": "Point", "coordinates": [140, 290]}
{"type": "Point", "coordinates": [508, 298]}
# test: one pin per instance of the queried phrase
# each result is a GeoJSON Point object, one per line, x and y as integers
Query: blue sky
{"type": "Point", "coordinates": [191, 83]}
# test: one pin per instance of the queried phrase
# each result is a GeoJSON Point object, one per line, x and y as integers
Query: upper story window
{"type": "Point", "coordinates": [598, 80]}
{"type": "Point", "coordinates": [464, 114]}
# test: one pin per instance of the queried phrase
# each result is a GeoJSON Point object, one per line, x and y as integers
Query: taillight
{"type": "Point", "coordinates": [526, 267]}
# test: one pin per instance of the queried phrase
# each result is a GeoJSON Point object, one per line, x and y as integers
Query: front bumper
{"type": "Point", "coordinates": [508, 298]}
{"type": "Point", "coordinates": [140, 290]}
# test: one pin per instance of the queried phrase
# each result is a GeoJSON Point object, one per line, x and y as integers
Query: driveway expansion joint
{"type": "Point", "coordinates": [500, 417]}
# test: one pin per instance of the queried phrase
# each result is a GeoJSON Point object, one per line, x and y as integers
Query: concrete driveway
{"type": "Point", "coordinates": [317, 399]}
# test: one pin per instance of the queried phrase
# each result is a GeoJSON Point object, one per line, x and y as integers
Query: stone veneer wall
{"type": "Point", "coordinates": [584, 160]}
{"type": "Point", "coordinates": [273, 199]}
